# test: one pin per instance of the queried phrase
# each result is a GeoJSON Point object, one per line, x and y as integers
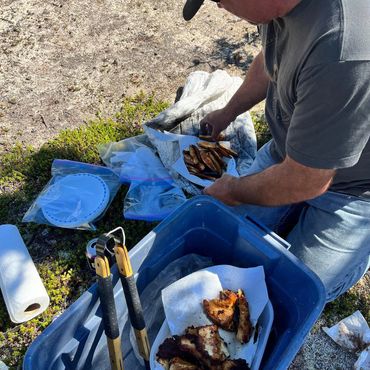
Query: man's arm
{"type": "Point", "coordinates": [284, 183]}
{"type": "Point", "coordinates": [252, 91]}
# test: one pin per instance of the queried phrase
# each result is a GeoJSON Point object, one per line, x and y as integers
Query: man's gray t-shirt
{"type": "Point", "coordinates": [318, 100]}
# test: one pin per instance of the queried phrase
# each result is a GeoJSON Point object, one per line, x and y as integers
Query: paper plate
{"type": "Point", "coordinates": [74, 200]}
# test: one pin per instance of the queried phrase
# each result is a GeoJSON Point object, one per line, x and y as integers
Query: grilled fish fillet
{"type": "Point", "coordinates": [202, 347]}
{"type": "Point", "coordinates": [239, 364]}
{"type": "Point", "coordinates": [178, 363]}
{"type": "Point", "coordinates": [245, 328]}
{"type": "Point", "coordinates": [210, 344]}
{"type": "Point", "coordinates": [221, 310]}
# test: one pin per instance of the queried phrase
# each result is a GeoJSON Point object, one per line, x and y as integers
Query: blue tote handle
{"type": "Point", "coordinates": [246, 217]}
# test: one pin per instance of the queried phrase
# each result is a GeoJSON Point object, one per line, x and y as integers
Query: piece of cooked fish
{"type": "Point", "coordinates": [170, 349]}
{"type": "Point", "coordinates": [188, 344]}
{"type": "Point", "coordinates": [239, 364]}
{"type": "Point", "coordinates": [200, 348]}
{"type": "Point", "coordinates": [217, 156]}
{"type": "Point", "coordinates": [178, 363]}
{"type": "Point", "coordinates": [205, 344]}
{"type": "Point", "coordinates": [228, 151]}
{"type": "Point", "coordinates": [207, 145]}
{"type": "Point", "coordinates": [210, 343]}
{"type": "Point", "coordinates": [245, 328]}
{"type": "Point", "coordinates": [221, 310]}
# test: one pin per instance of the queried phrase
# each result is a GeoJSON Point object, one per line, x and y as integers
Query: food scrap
{"type": "Point", "coordinates": [205, 159]}
{"type": "Point", "coordinates": [231, 312]}
{"type": "Point", "coordinates": [222, 311]}
{"type": "Point", "coordinates": [199, 348]}
{"type": "Point", "coordinates": [220, 137]}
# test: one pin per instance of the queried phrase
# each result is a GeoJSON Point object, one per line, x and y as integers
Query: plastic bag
{"type": "Point", "coordinates": [152, 200]}
{"type": "Point", "coordinates": [116, 154]}
{"type": "Point", "coordinates": [153, 194]}
{"type": "Point", "coordinates": [203, 93]}
{"type": "Point", "coordinates": [143, 166]}
{"type": "Point", "coordinates": [200, 89]}
{"type": "Point", "coordinates": [77, 195]}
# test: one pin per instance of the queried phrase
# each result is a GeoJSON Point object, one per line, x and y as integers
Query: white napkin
{"type": "Point", "coordinates": [23, 291]}
{"type": "Point", "coordinates": [352, 333]}
{"type": "Point", "coordinates": [182, 300]}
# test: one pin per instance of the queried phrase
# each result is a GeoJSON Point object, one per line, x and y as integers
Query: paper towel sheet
{"type": "Point", "coordinates": [182, 301]}
{"type": "Point", "coordinates": [353, 333]}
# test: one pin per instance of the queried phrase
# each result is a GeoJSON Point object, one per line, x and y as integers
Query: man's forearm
{"type": "Point", "coordinates": [253, 89]}
{"type": "Point", "coordinates": [284, 183]}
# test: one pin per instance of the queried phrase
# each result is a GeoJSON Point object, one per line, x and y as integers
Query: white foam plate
{"type": "Point", "coordinates": [74, 200]}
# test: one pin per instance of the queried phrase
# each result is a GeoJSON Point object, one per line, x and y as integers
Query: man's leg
{"type": "Point", "coordinates": [332, 237]}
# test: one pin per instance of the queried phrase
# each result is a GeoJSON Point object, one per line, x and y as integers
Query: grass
{"type": "Point", "coordinates": [357, 298]}
{"type": "Point", "coordinates": [262, 130]}
{"type": "Point", "coordinates": [58, 253]}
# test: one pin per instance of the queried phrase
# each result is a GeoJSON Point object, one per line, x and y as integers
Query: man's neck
{"type": "Point", "coordinates": [286, 6]}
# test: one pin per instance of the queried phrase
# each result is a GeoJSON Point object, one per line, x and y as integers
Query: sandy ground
{"type": "Point", "coordinates": [64, 60]}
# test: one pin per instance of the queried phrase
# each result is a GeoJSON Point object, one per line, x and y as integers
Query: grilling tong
{"type": "Point", "coordinates": [107, 244]}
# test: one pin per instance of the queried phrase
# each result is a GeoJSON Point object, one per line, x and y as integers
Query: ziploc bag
{"type": "Point", "coordinates": [116, 154]}
{"type": "Point", "coordinates": [152, 200]}
{"type": "Point", "coordinates": [77, 195]}
{"type": "Point", "coordinates": [153, 194]}
{"type": "Point", "coordinates": [143, 166]}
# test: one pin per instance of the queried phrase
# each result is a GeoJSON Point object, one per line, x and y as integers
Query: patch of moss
{"type": "Point", "coordinates": [357, 298]}
{"type": "Point", "coordinates": [261, 127]}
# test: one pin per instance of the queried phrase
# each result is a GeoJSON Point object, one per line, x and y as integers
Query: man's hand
{"type": "Point", "coordinates": [252, 91]}
{"type": "Point", "coordinates": [221, 189]}
{"type": "Point", "coordinates": [215, 122]}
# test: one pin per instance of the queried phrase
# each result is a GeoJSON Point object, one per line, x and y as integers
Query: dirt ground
{"type": "Point", "coordinates": [62, 61]}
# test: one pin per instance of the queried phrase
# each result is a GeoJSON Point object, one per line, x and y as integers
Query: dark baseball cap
{"type": "Point", "coordinates": [191, 7]}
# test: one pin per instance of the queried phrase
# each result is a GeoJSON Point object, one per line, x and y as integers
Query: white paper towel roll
{"type": "Point", "coordinates": [24, 293]}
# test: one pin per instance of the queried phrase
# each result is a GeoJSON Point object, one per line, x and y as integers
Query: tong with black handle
{"type": "Point", "coordinates": [109, 314]}
{"type": "Point", "coordinates": [131, 294]}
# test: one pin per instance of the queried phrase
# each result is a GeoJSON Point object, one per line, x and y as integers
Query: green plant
{"type": "Point", "coordinates": [357, 298]}
{"type": "Point", "coordinates": [261, 127]}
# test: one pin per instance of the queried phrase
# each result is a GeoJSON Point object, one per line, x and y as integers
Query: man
{"type": "Point", "coordinates": [314, 71]}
